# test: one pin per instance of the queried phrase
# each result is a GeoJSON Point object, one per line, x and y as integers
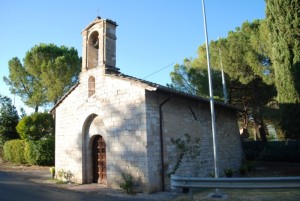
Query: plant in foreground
{"type": "Point", "coordinates": [52, 171]}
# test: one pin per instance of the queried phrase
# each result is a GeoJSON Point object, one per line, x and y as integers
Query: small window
{"type": "Point", "coordinates": [91, 85]}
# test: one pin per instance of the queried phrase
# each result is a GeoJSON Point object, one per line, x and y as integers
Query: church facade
{"type": "Point", "coordinates": [110, 124]}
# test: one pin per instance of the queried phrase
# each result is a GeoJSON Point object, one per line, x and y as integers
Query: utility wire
{"type": "Point", "coordinates": [189, 85]}
{"type": "Point", "coordinates": [158, 70]}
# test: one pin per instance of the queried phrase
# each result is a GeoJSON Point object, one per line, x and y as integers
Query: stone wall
{"type": "Point", "coordinates": [181, 116]}
{"type": "Point", "coordinates": [116, 112]}
{"type": "Point", "coordinates": [68, 136]}
{"type": "Point", "coordinates": [127, 117]}
{"type": "Point", "coordinates": [126, 113]}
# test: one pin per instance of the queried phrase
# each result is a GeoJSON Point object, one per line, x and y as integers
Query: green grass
{"type": "Point", "coordinates": [61, 182]}
{"type": "Point", "coordinates": [247, 195]}
{"type": "Point", "coordinates": [56, 181]}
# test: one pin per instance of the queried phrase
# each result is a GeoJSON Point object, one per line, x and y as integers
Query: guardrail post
{"type": "Point", "coordinates": [191, 194]}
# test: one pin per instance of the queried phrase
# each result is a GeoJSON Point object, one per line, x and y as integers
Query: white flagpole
{"type": "Point", "coordinates": [223, 77]}
{"type": "Point", "coordinates": [212, 108]}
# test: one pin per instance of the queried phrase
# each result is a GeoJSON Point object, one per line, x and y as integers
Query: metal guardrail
{"type": "Point", "coordinates": [241, 182]}
{"type": "Point", "coordinates": [191, 183]}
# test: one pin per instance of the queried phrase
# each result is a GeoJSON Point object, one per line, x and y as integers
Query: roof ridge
{"type": "Point", "coordinates": [167, 89]}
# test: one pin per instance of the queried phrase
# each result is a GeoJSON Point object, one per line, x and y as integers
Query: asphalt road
{"type": "Point", "coordinates": [14, 188]}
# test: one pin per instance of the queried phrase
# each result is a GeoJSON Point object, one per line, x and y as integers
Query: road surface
{"type": "Point", "coordinates": [14, 188]}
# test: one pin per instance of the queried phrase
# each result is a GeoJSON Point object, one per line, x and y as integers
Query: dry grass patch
{"type": "Point", "coordinates": [247, 195]}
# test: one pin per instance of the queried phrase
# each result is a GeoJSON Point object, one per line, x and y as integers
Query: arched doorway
{"type": "Point", "coordinates": [99, 160]}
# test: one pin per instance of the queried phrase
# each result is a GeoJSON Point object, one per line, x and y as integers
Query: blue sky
{"type": "Point", "coordinates": [152, 34]}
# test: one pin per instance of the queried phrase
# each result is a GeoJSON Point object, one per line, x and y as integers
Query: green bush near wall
{"type": "Point", "coordinates": [14, 151]}
{"type": "Point", "coordinates": [31, 152]}
{"type": "Point", "coordinates": [1, 152]}
{"type": "Point", "coordinates": [39, 152]}
{"type": "Point", "coordinates": [46, 152]}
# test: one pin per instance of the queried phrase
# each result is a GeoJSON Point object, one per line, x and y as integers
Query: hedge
{"type": "Point", "coordinates": [275, 151]}
{"type": "Point", "coordinates": [1, 152]}
{"type": "Point", "coordinates": [30, 152]}
{"type": "Point", "coordinates": [14, 151]}
{"type": "Point", "coordinates": [46, 149]}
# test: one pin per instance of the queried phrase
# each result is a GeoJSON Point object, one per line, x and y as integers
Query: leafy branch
{"type": "Point", "coordinates": [185, 148]}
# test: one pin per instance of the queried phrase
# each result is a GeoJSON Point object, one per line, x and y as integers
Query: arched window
{"type": "Point", "coordinates": [91, 85]}
{"type": "Point", "coordinates": [93, 47]}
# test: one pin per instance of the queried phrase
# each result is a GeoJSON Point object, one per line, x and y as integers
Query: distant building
{"type": "Point", "coordinates": [110, 123]}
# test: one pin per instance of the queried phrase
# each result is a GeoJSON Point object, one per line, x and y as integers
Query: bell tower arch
{"type": "Point", "coordinates": [99, 45]}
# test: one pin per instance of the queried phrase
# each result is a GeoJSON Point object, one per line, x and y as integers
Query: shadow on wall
{"type": "Point", "coordinates": [126, 146]}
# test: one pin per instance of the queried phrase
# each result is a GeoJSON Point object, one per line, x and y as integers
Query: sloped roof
{"type": "Point", "coordinates": [174, 92]}
{"type": "Point", "coordinates": [98, 18]}
{"type": "Point", "coordinates": [155, 87]}
{"type": "Point", "coordinates": [64, 97]}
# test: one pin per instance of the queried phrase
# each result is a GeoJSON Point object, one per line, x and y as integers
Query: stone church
{"type": "Point", "coordinates": [111, 124]}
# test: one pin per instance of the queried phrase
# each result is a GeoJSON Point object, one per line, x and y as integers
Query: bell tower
{"type": "Point", "coordinates": [99, 46]}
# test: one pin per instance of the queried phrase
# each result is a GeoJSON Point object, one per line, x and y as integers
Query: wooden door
{"type": "Point", "coordinates": [99, 160]}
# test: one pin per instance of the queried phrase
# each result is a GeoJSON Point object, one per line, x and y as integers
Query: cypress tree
{"type": "Point", "coordinates": [283, 18]}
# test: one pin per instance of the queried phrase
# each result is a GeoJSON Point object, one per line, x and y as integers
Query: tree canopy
{"type": "Point", "coordinates": [261, 60]}
{"type": "Point", "coordinates": [48, 72]}
{"type": "Point", "coordinates": [247, 66]}
{"type": "Point", "coordinates": [192, 79]}
{"type": "Point", "coordinates": [23, 84]}
{"type": "Point", "coordinates": [283, 20]}
{"type": "Point", "coordinates": [8, 120]}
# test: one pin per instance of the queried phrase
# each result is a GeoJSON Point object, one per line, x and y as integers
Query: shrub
{"type": "Point", "coordinates": [31, 152]}
{"type": "Point", "coordinates": [128, 182]}
{"type": "Point", "coordinates": [187, 148]}
{"type": "Point", "coordinates": [46, 151]}
{"type": "Point", "coordinates": [1, 152]}
{"type": "Point", "coordinates": [36, 126]}
{"type": "Point", "coordinates": [67, 175]}
{"type": "Point", "coordinates": [228, 172]}
{"type": "Point", "coordinates": [14, 151]}
{"type": "Point", "coordinates": [52, 171]}
{"type": "Point", "coordinates": [61, 173]}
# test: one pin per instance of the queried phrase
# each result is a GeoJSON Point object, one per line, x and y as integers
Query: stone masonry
{"type": "Point", "coordinates": [131, 115]}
